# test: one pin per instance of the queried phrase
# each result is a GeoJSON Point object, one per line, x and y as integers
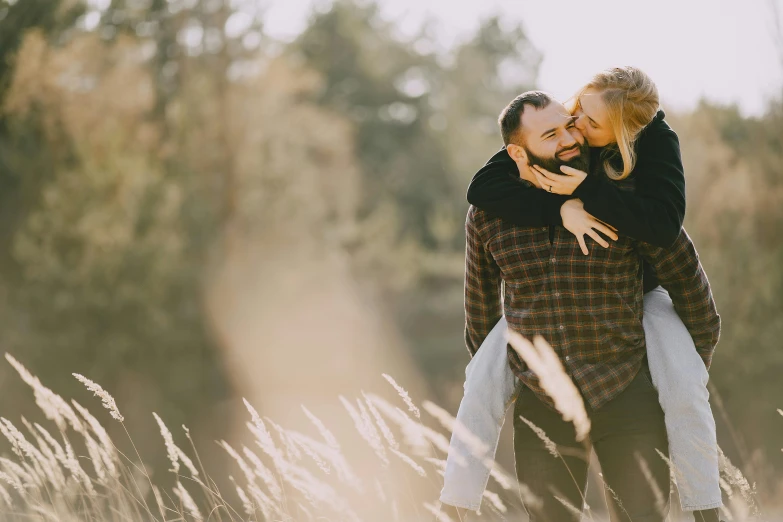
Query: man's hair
{"type": "Point", "coordinates": [510, 119]}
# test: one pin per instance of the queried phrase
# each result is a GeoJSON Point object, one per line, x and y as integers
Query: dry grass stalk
{"type": "Point", "coordinates": [550, 445]}
{"type": "Point", "coordinates": [570, 507]}
{"type": "Point", "coordinates": [43, 460]}
{"type": "Point", "coordinates": [93, 448]}
{"type": "Point", "coordinates": [291, 450]}
{"type": "Point", "coordinates": [52, 405]}
{"type": "Point", "coordinates": [438, 464]}
{"type": "Point", "coordinates": [6, 497]}
{"type": "Point", "coordinates": [412, 431]}
{"type": "Point", "coordinates": [331, 456]}
{"type": "Point", "coordinates": [262, 472]}
{"type": "Point", "coordinates": [187, 501]}
{"type": "Point", "coordinates": [32, 458]}
{"type": "Point", "coordinates": [404, 394]}
{"type": "Point", "coordinates": [48, 460]}
{"type": "Point", "coordinates": [366, 430]}
{"type": "Point", "coordinates": [174, 452]}
{"type": "Point", "coordinates": [384, 428]}
{"type": "Point", "coordinates": [106, 399]}
{"type": "Point", "coordinates": [247, 504]}
{"type": "Point", "coordinates": [477, 446]}
{"type": "Point", "coordinates": [14, 483]}
{"type": "Point", "coordinates": [316, 491]}
{"type": "Point", "coordinates": [330, 439]}
{"type": "Point", "coordinates": [106, 449]}
{"type": "Point", "coordinates": [542, 359]}
{"type": "Point", "coordinates": [269, 508]}
{"type": "Point", "coordinates": [734, 477]}
{"type": "Point", "coordinates": [246, 469]}
{"type": "Point", "coordinates": [369, 424]}
{"type": "Point", "coordinates": [410, 462]}
{"type": "Point", "coordinates": [439, 515]}
{"type": "Point", "coordinates": [441, 443]}
{"type": "Point", "coordinates": [72, 464]}
{"type": "Point", "coordinates": [661, 502]}
{"type": "Point", "coordinates": [494, 500]}
{"type": "Point", "coordinates": [307, 447]}
{"type": "Point", "coordinates": [159, 502]}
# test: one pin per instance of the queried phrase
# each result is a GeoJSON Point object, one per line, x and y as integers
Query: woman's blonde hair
{"type": "Point", "coordinates": [631, 100]}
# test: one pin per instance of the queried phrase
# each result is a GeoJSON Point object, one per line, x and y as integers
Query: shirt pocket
{"type": "Point", "coordinates": [522, 255]}
{"type": "Point", "coordinates": [618, 264]}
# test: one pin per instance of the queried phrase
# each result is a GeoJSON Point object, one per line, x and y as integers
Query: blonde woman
{"type": "Point", "coordinates": [636, 188]}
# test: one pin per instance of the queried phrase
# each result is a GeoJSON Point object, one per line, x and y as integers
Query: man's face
{"type": "Point", "coordinates": [550, 139]}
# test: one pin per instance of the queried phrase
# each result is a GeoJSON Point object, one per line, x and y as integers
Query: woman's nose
{"type": "Point", "coordinates": [580, 123]}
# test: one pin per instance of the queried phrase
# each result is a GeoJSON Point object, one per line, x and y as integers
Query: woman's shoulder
{"type": "Point", "coordinates": [658, 152]}
{"type": "Point", "coordinates": [658, 133]}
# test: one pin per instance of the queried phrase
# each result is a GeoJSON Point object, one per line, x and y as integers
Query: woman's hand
{"type": "Point", "coordinates": [564, 184]}
{"type": "Point", "coordinates": [579, 222]}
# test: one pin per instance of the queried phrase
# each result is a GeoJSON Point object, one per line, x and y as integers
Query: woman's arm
{"type": "Point", "coordinates": [496, 188]}
{"type": "Point", "coordinates": [654, 211]}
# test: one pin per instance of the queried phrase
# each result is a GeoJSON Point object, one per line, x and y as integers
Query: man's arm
{"type": "Point", "coordinates": [680, 272]}
{"type": "Point", "coordinates": [482, 287]}
{"type": "Point", "coordinates": [496, 188]}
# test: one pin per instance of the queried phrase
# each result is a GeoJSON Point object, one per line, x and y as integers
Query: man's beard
{"type": "Point", "coordinates": [553, 164]}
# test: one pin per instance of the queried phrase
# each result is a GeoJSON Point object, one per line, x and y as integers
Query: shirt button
{"type": "Point", "coordinates": [557, 294]}
{"type": "Point", "coordinates": [552, 260]}
{"type": "Point", "coordinates": [568, 357]}
{"type": "Point", "coordinates": [545, 229]}
{"type": "Point", "coordinates": [562, 327]}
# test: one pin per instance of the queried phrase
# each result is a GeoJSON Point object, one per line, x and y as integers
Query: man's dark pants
{"type": "Point", "coordinates": [627, 433]}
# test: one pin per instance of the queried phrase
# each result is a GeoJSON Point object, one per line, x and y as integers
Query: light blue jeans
{"type": "Point", "coordinates": [678, 374]}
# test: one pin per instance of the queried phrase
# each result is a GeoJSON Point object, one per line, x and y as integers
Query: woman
{"type": "Point", "coordinates": [636, 188]}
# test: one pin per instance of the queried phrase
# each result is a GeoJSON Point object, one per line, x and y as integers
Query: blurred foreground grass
{"type": "Point", "coordinates": [389, 468]}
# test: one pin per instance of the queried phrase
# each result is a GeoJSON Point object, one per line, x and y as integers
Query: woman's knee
{"type": "Point", "coordinates": [687, 395]}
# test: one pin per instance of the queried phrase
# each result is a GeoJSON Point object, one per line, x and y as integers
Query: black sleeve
{"type": "Point", "coordinates": [497, 189]}
{"type": "Point", "coordinates": [654, 211]}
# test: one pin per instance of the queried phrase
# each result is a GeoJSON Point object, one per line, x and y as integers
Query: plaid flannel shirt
{"type": "Point", "coordinates": [589, 308]}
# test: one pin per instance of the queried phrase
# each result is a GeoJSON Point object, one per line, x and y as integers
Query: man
{"type": "Point", "coordinates": [589, 308]}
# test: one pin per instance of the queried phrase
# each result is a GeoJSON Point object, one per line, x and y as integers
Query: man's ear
{"type": "Point", "coordinates": [522, 160]}
{"type": "Point", "coordinates": [517, 153]}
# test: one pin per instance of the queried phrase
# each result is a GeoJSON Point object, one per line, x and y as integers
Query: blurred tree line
{"type": "Point", "coordinates": [143, 141]}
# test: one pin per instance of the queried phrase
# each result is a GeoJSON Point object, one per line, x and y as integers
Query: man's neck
{"type": "Point", "coordinates": [526, 174]}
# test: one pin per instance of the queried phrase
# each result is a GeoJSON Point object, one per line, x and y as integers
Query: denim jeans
{"type": "Point", "coordinates": [627, 434]}
{"type": "Point", "coordinates": [677, 372]}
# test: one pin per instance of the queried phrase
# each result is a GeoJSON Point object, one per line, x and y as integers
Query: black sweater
{"type": "Point", "coordinates": [653, 211]}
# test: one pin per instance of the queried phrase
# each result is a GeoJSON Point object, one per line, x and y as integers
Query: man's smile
{"type": "Point", "coordinates": [568, 154]}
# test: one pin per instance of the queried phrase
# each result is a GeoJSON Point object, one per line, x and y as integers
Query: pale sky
{"type": "Point", "coordinates": [723, 50]}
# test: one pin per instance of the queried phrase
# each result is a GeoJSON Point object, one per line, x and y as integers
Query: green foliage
{"type": "Point", "coordinates": [421, 126]}
{"type": "Point", "coordinates": [100, 267]}
{"type": "Point", "coordinates": [735, 213]}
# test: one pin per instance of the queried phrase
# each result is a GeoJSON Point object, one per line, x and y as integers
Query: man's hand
{"type": "Point", "coordinates": [564, 183]}
{"type": "Point", "coordinates": [579, 222]}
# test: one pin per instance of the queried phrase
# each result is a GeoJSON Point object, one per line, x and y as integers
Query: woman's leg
{"type": "Point", "coordinates": [489, 388]}
{"type": "Point", "coordinates": [680, 377]}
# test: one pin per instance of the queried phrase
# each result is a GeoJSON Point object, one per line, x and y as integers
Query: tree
{"type": "Point", "coordinates": [115, 253]}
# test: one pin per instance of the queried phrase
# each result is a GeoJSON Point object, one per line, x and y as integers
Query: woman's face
{"type": "Point", "coordinates": [592, 119]}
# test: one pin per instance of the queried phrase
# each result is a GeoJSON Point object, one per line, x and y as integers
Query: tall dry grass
{"type": "Point", "coordinates": [72, 470]}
